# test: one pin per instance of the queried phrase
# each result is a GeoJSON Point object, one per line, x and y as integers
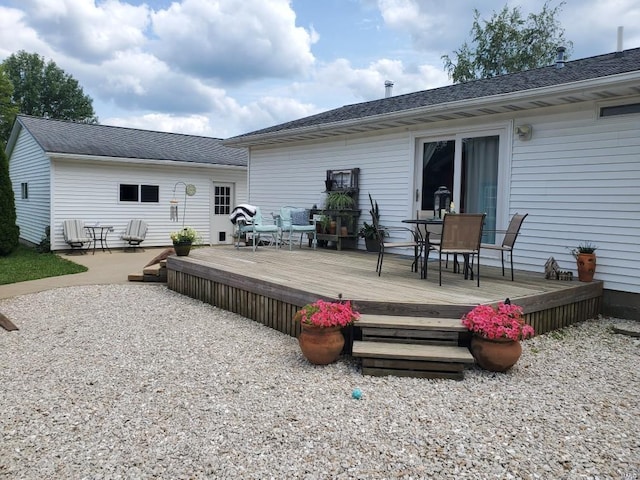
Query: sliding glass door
{"type": "Point", "coordinates": [469, 167]}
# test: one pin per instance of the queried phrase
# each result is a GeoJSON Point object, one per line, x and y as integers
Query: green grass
{"type": "Point", "coordinates": [27, 264]}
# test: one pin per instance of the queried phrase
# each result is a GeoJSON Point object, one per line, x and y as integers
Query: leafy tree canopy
{"type": "Point", "coordinates": [508, 43]}
{"type": "Point", "coordinates": [8, 109]}
{"type": "Point", "coordinates": [45, 90]}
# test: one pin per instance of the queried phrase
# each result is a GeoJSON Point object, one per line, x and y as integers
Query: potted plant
{"type": "Point", "coordinates": [339, 201]}
{"type": "Point", "coordinates": [497, 332]}
{"type": "Point", "coordinates": [585, 257]}
{"type": "Point", "coordinates": [183, 239]}
{"type": "Point", "coordinates": [370, 234]}
{"type": "Point", "coordinates": [371, 237]}
{"type": "Point", "coordinates": [321, 339]}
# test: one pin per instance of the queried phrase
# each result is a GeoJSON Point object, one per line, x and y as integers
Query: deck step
{"type": "Point", "coordinates": [415, 323]}
{"type": "Point", "coordinates": [424, 361]}
{"type": "Point", "coordinates": [156, 272]}
{"type": "Point", "coordinates": [416, 330]}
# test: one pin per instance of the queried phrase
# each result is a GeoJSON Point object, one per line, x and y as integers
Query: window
{"type": "Point", "coordinates": [149, 193]}
{"type": "Point", "coordinates": [620, 110]}
{"type": "Point", "coordinates": [142, 193]}
{"type": "Point", "coordinates": [222, 200]}
{"type": "Point", "coordinates": [24, 188]}
{"type": "Point", "coordinates": [128, 193]}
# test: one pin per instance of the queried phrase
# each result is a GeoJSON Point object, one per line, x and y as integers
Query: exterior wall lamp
{"type": "Point", "coordinates": [524, 132]}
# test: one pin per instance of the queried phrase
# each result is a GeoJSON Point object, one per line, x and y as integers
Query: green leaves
{"type": "Point", "coordinates": [42, 90]}
{"type": "Point", "coordinates": [508, 43]}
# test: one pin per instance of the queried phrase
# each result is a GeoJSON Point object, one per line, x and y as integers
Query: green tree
{"type": "Point", "coordinates": [9, 231]}
{"type": "Point", "coordinates": [45, 90]}
{"type": "Point", "coordinates": [508, 43]}
{"type": "Point", "coordinates": [8, 109]}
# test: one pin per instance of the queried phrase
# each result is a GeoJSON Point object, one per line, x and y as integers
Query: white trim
{"type": "Point", "coordinates": [137, 161]}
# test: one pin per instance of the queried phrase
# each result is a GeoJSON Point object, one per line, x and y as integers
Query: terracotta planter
{"type": "Point", "coordinates": [497, 355]}
{"type": "Point", "coordinates": [320, 345]}
{"type": "Point", "coordinates": [182, 249]}
{"type": "Point", "coordinates": [586, 266]}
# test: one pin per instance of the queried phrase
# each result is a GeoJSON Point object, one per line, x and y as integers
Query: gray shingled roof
{"type": "Point", "coordinates": [65, 137]}
{"type": "Point", "coordinates": [573, 71]}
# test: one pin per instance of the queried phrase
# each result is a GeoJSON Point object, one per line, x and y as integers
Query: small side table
{"type": "Point", "coordinates": [99, 234]}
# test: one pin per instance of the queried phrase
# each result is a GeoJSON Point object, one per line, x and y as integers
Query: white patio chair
{"type": "Point", "coordinates": [135, 233]}
{"type": "Point", "coordinates": [75, 234]}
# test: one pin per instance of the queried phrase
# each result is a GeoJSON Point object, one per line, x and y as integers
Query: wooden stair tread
{"type": "Point", "coordinates": [432, 353]}
{"type": "Point", "coordinates": [152, 269]}
{"type": "Point", "coordinates": [416, 323]}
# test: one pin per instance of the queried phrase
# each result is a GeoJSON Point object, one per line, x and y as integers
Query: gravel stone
{"type": "Point", "coordinates": [136, 381]}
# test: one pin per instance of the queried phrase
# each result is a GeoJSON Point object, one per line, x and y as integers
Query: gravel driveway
{"type": "Point", "coordinates": [136, 381]}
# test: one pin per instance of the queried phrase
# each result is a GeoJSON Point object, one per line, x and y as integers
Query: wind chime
{"type": "Point", "coordinates": [189, 190]}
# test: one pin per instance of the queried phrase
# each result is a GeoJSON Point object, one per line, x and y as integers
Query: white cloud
{"type": "Point", "coordinates": [368, 83]}
{"type": "Point", "coordinates": [233, 41]}
{"type": "Point", "coordinates": [162, 122]}
{"type": "Point", "coordinates": [15, 35]}
{"type": "Point", "coordinates": [82, 29]}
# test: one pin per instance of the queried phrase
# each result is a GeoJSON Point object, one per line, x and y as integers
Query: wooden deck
{"type": "Point", "coordinates": [269, 285]}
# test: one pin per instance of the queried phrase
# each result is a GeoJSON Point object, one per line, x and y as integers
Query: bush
{"type": "Point", "coordinates": [9, 231]}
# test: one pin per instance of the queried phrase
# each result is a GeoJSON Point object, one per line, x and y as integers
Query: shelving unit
{"type": "Point", "coordinates": [346, 220]}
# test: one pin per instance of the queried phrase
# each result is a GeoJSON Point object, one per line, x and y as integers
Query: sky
{"type": "Point", "coordinates": [221, 68]}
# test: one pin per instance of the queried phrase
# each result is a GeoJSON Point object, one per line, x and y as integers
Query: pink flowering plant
{"type": "Point", "coordinates": [503, 321]}
{"type": "Point", "coordinates": [327, 314]}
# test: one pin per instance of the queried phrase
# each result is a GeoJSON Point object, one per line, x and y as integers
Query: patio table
{"type": "Point", "coordinates": [99, 233]}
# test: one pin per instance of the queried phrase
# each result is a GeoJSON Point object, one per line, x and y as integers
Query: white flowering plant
{"type": "Point", "coordinates": [186, 235]}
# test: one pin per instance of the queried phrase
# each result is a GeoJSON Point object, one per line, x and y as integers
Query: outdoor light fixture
{"type": "Point", "coordinates": [524, 132]}
{"type": "Point", "coordinates": [189, 190]}
{"type": "Point", "coordinates": [441, 202]}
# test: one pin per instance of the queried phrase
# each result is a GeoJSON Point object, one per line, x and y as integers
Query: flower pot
{"type": "Point", "coordinates": [586, 266]}
{"type": "Point", "coordinates": [372, 244]}
{"type": "Point", "coordinates": [182, 248]}
{"type": "Point", "coordinates": [321, 345]}
{"type": "Point", "coordinates": [495, 355]}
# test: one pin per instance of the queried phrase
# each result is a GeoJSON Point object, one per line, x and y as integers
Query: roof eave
{"type": "Point", "coordinates": [141, 161]}
{"type": "Point", "coordinates": [579, 91]}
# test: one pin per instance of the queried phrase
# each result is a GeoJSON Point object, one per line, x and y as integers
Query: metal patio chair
{"type": "Point", "coordinates": [509, 240]}
{"type": "Point", "coordinates": [461, 235]}
{"type": "Point", "coordinates": [135, 233]}
{"type": "Point", "coordinates": [383, 233]}
{"type": "Point", "coordinates": [258, 226]}
{"type": "Point", "coordinates": [293, 221]}
{"type": "Point", "coordinates": [75, 234]}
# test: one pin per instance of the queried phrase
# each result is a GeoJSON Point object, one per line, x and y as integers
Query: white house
{"type": "Point", "coordinates": [102, 174]}
{"type": "Point", "coordinates": [561, 143]}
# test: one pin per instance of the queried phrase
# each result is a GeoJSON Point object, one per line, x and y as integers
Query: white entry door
{"type": "Point", "coordinates": [221, 226]}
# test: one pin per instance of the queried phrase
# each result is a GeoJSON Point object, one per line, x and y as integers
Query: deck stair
{"type": "Point", "coordinates": [412, 346]}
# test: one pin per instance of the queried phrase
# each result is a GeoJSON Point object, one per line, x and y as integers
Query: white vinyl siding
{"type": "Point", "coordinates": [295, 175]}
{"type": "Point", "coordinates": [30, 165]}
{"type": "Point", "coordinates": [578, 179]}
{"type": "Point", "coordinates": [89, 190]}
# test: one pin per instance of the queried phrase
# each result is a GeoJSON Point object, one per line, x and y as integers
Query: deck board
{"type": "Point", "coordinates": [352, 273]}
{"type": "Point", "coordinates": [248, 282]}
